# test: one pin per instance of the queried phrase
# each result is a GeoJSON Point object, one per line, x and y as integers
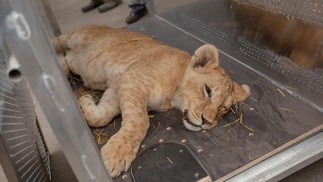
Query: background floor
{"type": "Point", "coordinates": [69, 16]}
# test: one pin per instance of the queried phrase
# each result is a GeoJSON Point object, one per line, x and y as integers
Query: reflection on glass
{"type": "Point", "coordinates": [285, 34]}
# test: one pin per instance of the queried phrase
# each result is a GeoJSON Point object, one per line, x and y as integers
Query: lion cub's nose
{"type": "Point", "coordinates": [204, 121]}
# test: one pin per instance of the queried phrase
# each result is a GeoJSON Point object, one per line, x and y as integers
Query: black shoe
{"type": "Point", "coordinates": [134, 17]}
{"type": "Point", "coordinates": [106, 6]}
{"type": "Point", "coordinates": [92, 5]}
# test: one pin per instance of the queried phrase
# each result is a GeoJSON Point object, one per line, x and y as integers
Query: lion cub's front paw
{"type": "Point", "coordinates": [118, 154]}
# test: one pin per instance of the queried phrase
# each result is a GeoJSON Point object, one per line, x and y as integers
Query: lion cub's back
{"type": "Point", "coordinates": [102, 35]}
{"type": "Point", "coordinates": [102, 53]}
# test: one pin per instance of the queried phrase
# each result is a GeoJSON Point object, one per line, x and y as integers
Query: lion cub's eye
{"type": "Point", "coordinates": [208, 91]}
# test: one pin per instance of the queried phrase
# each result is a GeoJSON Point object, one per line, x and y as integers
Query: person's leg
{"type": "Point", "coordinates": [92, 5]}
{"type": "Point", "coordinates": [138, 10]}
{"type": "Point", "coordinates": [108, 4]}
{"type": "Point", "coordinates": [135, 2]}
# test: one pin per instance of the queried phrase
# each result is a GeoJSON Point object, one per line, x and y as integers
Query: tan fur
{"type": "Point", "coordinates": [138, 74]}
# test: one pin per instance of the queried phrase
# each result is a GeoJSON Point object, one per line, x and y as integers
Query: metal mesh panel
{"type": "Point", "coordinates": [212, 33]}
{"type": "Point", "coordinates": [310, 79]}
{"type": "Point", "coordinates": [19, 131]}
{"type": "Point", "coordinates": [307, 10]}
{"type": "Point", "coordinates": [280, 39]}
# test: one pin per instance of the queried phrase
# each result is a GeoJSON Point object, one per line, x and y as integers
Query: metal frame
{"type": "Point", "coordinates": [26, 37]}
{"type": "Point", "coordinates": [283, 163]}
{"type": "Point", "coordinates": [20, 25]}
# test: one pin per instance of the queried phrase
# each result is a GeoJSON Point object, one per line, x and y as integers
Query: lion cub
{"type": "Point", "coordinates": [139, 74]}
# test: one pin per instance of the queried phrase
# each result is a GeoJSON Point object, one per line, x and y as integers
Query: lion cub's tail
{"type": "Point", "coordinates": [60, 46]}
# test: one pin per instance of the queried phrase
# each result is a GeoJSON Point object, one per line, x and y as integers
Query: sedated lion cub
{"type": "Point", "coordinates": [139, 74]}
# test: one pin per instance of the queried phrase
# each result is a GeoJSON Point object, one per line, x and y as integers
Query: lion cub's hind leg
{"type": "Point", "coordinates": [102, 113]}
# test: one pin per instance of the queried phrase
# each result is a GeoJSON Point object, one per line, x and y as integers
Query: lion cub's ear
{"type": "Point", "coordinates": [205, 55]}
{"type": "Point", "coordinates": [241, 92]}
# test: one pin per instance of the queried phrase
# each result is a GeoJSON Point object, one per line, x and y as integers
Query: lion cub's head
{"type": "Point", "coordinates": [209, 91]}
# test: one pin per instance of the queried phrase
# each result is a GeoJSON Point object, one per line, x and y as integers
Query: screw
{"type": "Point", "coordinates": [200, 150]}
{"type": "Point", "coordinates": [124, 177]}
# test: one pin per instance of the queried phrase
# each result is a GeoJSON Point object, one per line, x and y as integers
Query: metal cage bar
{"type": "Point", "coordinates": [26, 37]}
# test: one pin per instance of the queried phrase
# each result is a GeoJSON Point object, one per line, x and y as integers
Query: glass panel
{"type": "Point", "coordinates": [283, 40]}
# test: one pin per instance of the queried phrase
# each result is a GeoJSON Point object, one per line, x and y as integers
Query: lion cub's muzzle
{"type": "Point", "coordinates": [195, 127]}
